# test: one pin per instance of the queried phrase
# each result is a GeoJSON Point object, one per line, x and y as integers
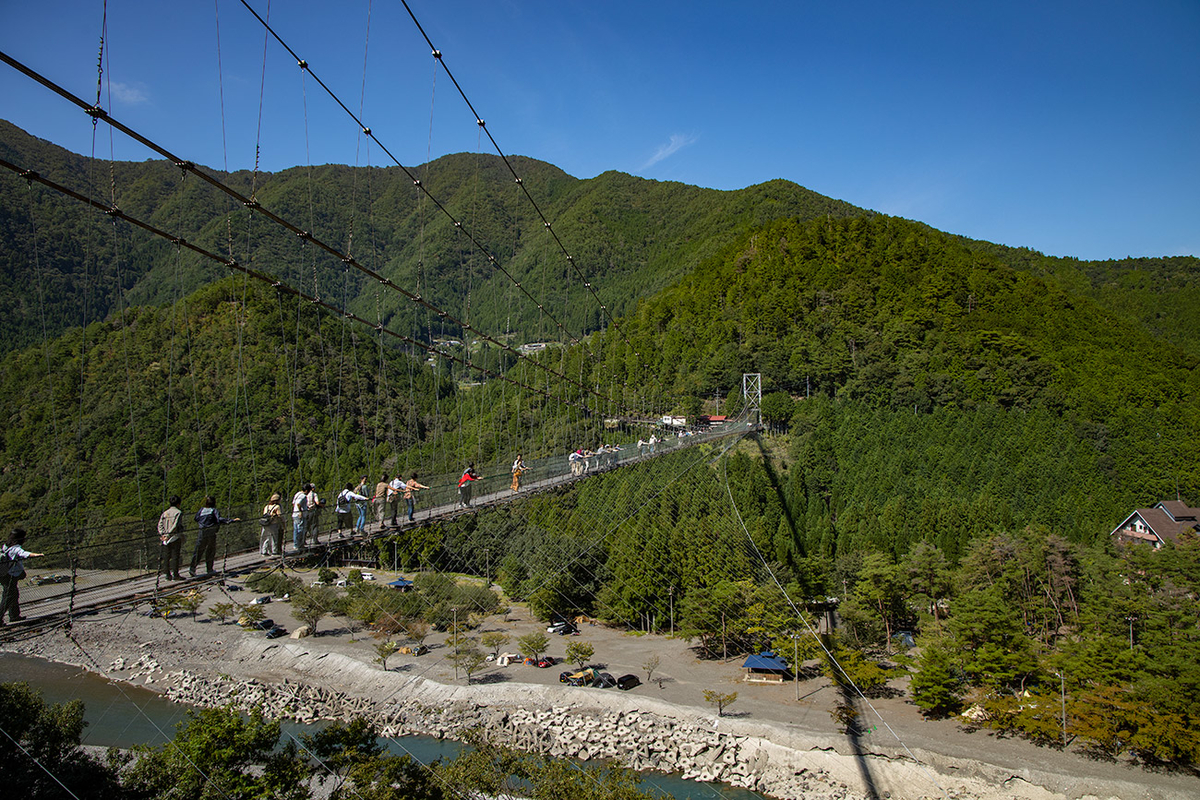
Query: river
{"type": "Point", "coordinates": [121, 715]}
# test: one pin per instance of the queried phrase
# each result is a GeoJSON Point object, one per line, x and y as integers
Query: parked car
{"type": "Point", "coordinates": [276, 632]}
{"type": "Point", "coordinates": [605, 680]}
{"type": "Point", "coordinates": [368, 576]}
{"type": "Point", "coordinates": [558, 627]}
{"type": "Point", "coordinates": [545, 661]}
{"type": "Point", "coordinates": [627, 682]}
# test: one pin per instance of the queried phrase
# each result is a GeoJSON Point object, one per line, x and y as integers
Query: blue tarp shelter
{"type": "Point", "coordinates": [403, 584]}
{"type": "Point", "coordinates": [765, 667]}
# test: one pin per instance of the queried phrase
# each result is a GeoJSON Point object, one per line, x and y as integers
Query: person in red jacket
{"type": "Point", "coordinates": [464, 484]}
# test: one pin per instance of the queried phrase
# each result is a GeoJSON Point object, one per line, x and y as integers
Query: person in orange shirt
{"type": "Point", "coordinates": [411, 487]}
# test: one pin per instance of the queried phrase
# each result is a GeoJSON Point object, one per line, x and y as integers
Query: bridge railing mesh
{"type": "Point", "coordinates": [80, 560]}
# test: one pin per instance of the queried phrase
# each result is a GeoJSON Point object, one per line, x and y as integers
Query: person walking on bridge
{"type": "Point", "coordinates": [464, 484]}
{"type": "Point", "coordinates": [518, 469]}
{"type": "Point", "coordinates": [271, 538]}
{"type": "Point", "coordinates": [206, 537]}
{"type": "Point", "coordinates": [379, 499]}
{"type": "Point", "coordinates": [411, 487]}
{"type": "Point", "coordinates": [12, 570]}
{"type": "Point", "coordinates": [300, 517]}
{"type": "Point", "coordinates": [170, 534]}
{"type": "Point", "coordinates": [312, 524]}
{"type": "Point", "coordinates": [346, 500]}
{"type": "Point", "coordinates": [394, 490]}
{"type": "Point", "coordinates": [360, 521]}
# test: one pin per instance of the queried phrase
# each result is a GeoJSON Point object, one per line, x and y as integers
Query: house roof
{"type": "Point", "coordinates": [1178, 511]}
{"type": "Point", "coordinates": [1166, 521]}
{"type": "Point", "coordinates": [766, 661]}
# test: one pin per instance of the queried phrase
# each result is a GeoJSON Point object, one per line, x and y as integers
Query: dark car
{"type": "Point", "coordinates": [545, 661]}
{"type": "Point", "coordinates": [262, 625]}
{"type": "Point", "coordinates": [627, 682]}
{"type": "Point", "coordinates": [605, 680]}
{"type": "Point", "coordinates": [276, 632]}
{"type": "Point", "coordinates": [564, 677]}
{"type": "Point", "coordinates": [563, 628]}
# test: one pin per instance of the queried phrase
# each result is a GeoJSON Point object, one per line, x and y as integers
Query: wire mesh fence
{"type": "Point", "coordinates": [81, 560]}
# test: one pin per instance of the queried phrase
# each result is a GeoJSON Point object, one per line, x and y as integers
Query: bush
{"type": "Point", "coordinates": [273, 582]}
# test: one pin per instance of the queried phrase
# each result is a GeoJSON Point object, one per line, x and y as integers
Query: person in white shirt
{"type": "Point", "coordinates": [395, 489]}
{"type": "Point", "coordinates": [13, 570]}
{"type": "Point", "coordinates": [312, 526]}
{"type": "Point", "coordinates": [300, 517]}
{"type": "Point", "coordinates": [346, 500]}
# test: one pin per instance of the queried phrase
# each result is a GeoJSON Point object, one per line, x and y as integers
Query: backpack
{"type": "Point", "coordinates": [6, 562]}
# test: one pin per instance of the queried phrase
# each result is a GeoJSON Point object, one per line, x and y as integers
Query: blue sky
{"type": "Point", "coordinates": [1069, 127]}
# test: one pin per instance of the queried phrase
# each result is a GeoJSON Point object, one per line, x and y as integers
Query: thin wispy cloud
{"type": "Point", "coordinates": [677, 143]}
{"type": "Point", "coordinates": [128, 94]}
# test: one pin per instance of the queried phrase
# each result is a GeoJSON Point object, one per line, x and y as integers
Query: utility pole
{"type": "Point", "coordinates": [456, 644]}
{"type": "Point", "coordinates": [1131, 619]}
{"type": "Point", "coordinates": [1062, 690]}
{"type": "Point", "coordinates": [796, 663]}
{"type": "Point", "coordinates": [671, 592]}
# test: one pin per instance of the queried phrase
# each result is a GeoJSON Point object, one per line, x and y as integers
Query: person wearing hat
{"type": "Point", "coordinates": [270, 541]}
{"type": "Point", "coordinates": [12, 569]}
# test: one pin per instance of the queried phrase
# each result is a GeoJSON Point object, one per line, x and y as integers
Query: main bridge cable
{"type": "Point", "coordinates": [437, 54]}
{"type": "Point", "coordinates": [232, 264]}
{"type": "Point", "coordinates": [304, 65]}
{"type": "Point", "coordinates": [98, 113]}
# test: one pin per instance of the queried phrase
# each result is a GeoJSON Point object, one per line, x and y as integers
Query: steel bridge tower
{"type": "Point", "coordinates": [752, 395]}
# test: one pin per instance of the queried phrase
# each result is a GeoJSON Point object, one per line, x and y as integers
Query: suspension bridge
{"type": "Point", "coordinates": [87, 572]}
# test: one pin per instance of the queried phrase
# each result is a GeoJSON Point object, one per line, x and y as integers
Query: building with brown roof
{"type": "Point", "coordinates": [1163, 523]}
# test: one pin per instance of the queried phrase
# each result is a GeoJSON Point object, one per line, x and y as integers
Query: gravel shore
{"type": "Point", "coordinates": [767, 740]}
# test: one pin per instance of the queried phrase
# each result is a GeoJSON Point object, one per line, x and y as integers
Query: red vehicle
{"type": "Point", "coordinates": [545, 661]}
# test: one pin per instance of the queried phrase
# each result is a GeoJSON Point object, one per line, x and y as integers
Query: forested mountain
{"type": "Point", "coordinates": [632, 237]}
{"type": "Point", "coordinates": [953, 426]}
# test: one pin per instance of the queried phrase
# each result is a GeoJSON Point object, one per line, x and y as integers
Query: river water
{"type": "Point", "coordinates": [120, 715]}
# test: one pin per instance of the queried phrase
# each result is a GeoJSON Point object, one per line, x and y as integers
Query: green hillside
{"type": "Point", "coordinates": [630, 236]}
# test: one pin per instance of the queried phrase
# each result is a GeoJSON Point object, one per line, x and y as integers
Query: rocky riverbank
{"type": "Point", "coordinates": [775, 749]}
{"type": "Point", "coordinates": [639, 740]}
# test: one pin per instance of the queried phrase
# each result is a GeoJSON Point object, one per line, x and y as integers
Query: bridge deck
{"type": "Point", "coordinates": [51, 604]}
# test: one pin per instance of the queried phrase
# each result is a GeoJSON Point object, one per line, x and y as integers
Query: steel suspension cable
{"type": "Point", "coordinates": [304, 65]}
{"type": "Point", "coordinates": [280, 286]}
{"type": "Point", "coordinates": [437, 54]}
{"type": "Point", "coordinates": [98, 113]}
